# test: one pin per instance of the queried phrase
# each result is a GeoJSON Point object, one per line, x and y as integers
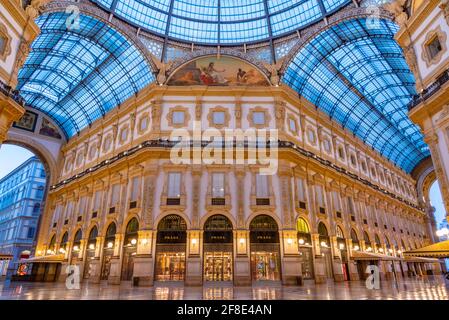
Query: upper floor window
{"type": "Point", "coordinates": [174, 185]}
{"type": "Point", "coordinates": [218, 185]}
{"type": "Point", "coordinates": [292, 125]}
{"type": "Point", "coordinates": [262, 186]}
{"type": "Point", "coordinates": [135, 188]}
{"type": "Point", "coordinates": [341, 153]}
{"type": "Point", "coordinates": [178, 117]}
{"type": "Point", "coordinates": [434, 47]}
{"type": "Point", "coordinates": [219, 117]}
{"type": "Point", "coordinates": [115, 194]}
{"type": "Point", "coordinates": [301, 190]}
{"type": "Point", "coordinates": [259, 118]}
{"type": "Point", "coordinates": [319, 196]}
{"type": "Point", "coordinates": [97, 200]}
{"type": "Point", "coordinates": [327, 145]}
{"type": "Point", "coordinates": [311, 136]}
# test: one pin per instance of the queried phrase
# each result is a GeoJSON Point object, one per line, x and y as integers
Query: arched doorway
{"type": "Point", "coordinates": [108, 251]}
{"type": "Point", "coordinates": [129, 249]}
{"type": "Point", "coordinates": [171, 249]}
{"type": "Point", "coordinates": [217, 249]}
{"type": "Point", "coordinates": [264, 246]}
{"type": "Point", "coordinates": [90, 251]}
{"type": "Point", "coordinates": [325, 249]}
{"type": "Point", "coordinates": [341, 243]}
{"type": "Point", "coordinates": [76, 247]}
{"type": "Point", "coordinates": [305, 248]}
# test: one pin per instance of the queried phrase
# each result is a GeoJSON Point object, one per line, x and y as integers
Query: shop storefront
{"type": "Point", "coordinates": [171, 249]}
{"type": "Point", "coordinates": [129, 249]}
{"type": "Point", "coordinates": [217, 249]}
{"type": "Point", "coordinates": [108, 251]}
{"type": "Point", "coordinates": [341, 243]}
{"type": "Point", "coordinates": [74, 256]}
{"type": "Point", "coordinates": [90, 251]}
{"type": "Point", "coordinates": [326, 251]}
{"type": "Point", "coordinates": [305, 249]}
{"type": "Point", "coordinates": [265, 251]}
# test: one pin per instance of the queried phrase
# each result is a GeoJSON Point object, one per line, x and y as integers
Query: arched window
{"type": "Point", "coordinates": [131, 232]}
{"type": "Point", "coordinates": [340, 234]}
{"type": "Point", "coordinates": [354, 236]}
{"type": "Point", "coordinates": [301, 226]}
{"type": "Point", "coordinates": [366, 238]}
{"type": "Point", "coordinates": [110, 235]}
{"type": "Point", "coordinates": [218, 222]}
{"type": "Point", "coordinates": [77, 240]}
{"type": "Point", "coordinates": [52, 245]}
{"type": "Point", "coordinates": [324, 235]}
{"type": "Point", "coordinates": [64, 240]}
{"type": "Point", "coordinates": [355, 240]}
{"type": "Point", "coordinates": [263, 223]}
{"type": "Point", "coordinates": [218, 229]}
{"type": "Point", "coordinates": [172, 223]}
{"type": "Point", "coordinates": [92, 240]}
{"type": "Point", "coordinates": [322, 230]}
{"type": "Point", "coordinates": [304, 237]}
{"type": "Point", "coordinates": [264, 229]}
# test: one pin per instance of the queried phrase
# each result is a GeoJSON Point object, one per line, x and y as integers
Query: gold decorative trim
{"type": "Point", "coordinates": [267, 117]}
{"type": "Point", "coordinates": [227, 117]}
{"type": "Point", "coordinates": [178, 109]}
{"type": "Point", "coordinates": [5, 50]}
{"type": "Point", "coordinates": [442, 38]}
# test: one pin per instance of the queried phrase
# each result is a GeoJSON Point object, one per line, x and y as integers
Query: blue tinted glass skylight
{"type": "Point", "coordinates": [360, 78]}
{"type": "Point", "coordinates": [77, 76]}
{"type": "Point", "coordinates": [222, 21]}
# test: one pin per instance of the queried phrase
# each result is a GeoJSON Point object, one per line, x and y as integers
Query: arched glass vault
{"type": "Point", "coordinates": [225, 22]}
{"type": "Point", "coordinates": [77, 75]}
{"type": "Point", "coordinates": [358, 75]}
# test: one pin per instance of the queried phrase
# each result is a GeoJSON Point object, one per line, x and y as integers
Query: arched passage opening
{"type": "Point", "coordinates": [217, 248]}
{"type": "Point", "coordinates": [305, 248]}
{"type": "Point", "coordinates": [264, 246]}
{"type": "Point", "coordinates": [108, 251]}
{"type": "Point", "coordinates": [23, 182]}
{"type": "Point", "coordinates": [171, 249]}
{"type": "Point", "coordinates": [90, 251]}
{"type": "Point", "coordinates": [129, 249]}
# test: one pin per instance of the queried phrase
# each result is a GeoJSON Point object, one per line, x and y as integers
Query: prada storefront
{"type": "Point", "coordinates": [171, 249]}
{"type": "Point", "coordinates": [265, 253]}
{"type": "Point", "coordinates": [217, 249]}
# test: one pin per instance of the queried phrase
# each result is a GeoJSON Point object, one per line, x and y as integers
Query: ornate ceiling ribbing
{"type": "Point", "coordinates": [358, 75]}
{"type": "Point", "coordinates": [77, 75]}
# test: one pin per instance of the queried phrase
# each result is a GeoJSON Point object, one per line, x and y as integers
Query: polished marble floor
{"type": "Point", "coordinates": [417, 289]}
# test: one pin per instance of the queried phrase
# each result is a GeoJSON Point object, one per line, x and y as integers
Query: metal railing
{"type": "Point", "coordinates": [430, 91]}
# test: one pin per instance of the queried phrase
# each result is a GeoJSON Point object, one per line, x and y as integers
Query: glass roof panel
{"type": "Point", "coordinates": [359, 76]}
{"type": "Point", "coordinates": [76, 76]}
{"type": "Point", "coordinates": [221, 21]}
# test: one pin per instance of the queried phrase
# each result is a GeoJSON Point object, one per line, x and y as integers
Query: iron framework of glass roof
{"type": "Point", "coordinates": [222, 22]}
{"type": "Point", "coordinates": [77, 75]}
{"type": "Point", "coordinates": [359, 77]}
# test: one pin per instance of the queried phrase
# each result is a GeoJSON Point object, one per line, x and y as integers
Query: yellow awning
{"type": "Point", "coordinates": [420, 259]}
{"type": "Point", "coordinates": [361, 255]}
{"type": "Point", "coordinates": [436, 250]}
{"type": "Point", "coordinates": [45, 259]}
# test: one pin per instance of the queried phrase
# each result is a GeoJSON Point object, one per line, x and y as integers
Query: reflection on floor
{"type": "Point", "coordinates": [421, 289]}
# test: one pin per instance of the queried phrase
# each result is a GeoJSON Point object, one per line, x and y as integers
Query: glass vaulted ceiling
{"type": "Point", "coordinates": [222, 21]}
{"type": "Point", "coordinates": [76, 76]}
{"type": "Point", "coordinates": [358, 75]}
